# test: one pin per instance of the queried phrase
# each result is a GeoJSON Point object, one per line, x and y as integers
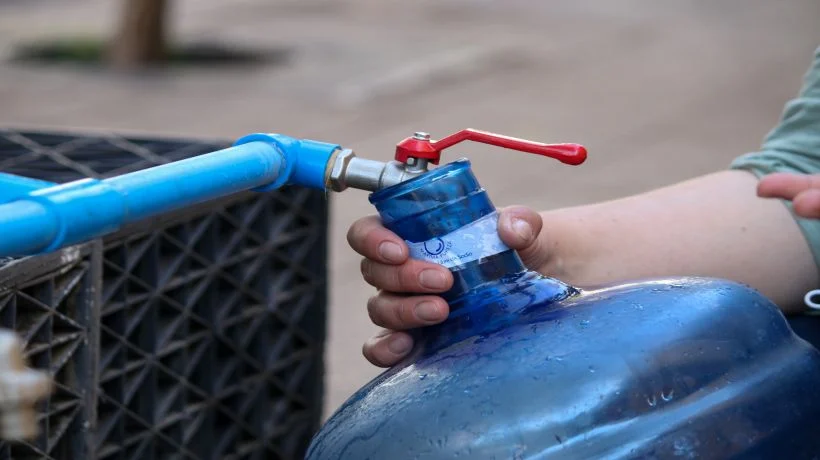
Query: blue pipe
{"type": "Point", "coordinates": [49, 217]}
{"type": "Point", "coordinates": [13, 187]}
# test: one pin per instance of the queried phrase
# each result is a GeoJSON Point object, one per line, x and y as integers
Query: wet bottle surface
{"type": "Point", "coordinates": [529, 367]}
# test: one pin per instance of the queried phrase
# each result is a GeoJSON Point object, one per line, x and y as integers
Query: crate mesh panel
{"type": "Point", "coordinates": [202, 334]}
{"type": "Point", "coordinates": [43, 312]}
{"type": "Point", "coordinates": [211, 325]}
{"type": "Point", "coordinates": [66, 157]}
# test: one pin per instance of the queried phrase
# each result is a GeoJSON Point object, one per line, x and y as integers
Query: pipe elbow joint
{"type": "Point", "coordinates": [305, 161]}
{"type": "Point", "coordinates": [80, 211]}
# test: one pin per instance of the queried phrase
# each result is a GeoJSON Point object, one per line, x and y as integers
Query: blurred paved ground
{"type": "Point", "coordinates": [658, 91]}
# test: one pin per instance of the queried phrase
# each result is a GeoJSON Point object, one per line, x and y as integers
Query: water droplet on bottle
{"type": "Point", "coordinates": [652, 401]}
{"type": "Point", "coordinates": [422, 376]}
{"type": "Point", "coordinates": [667, 395]}
{"type": "Point", "coordinates": [592, 369]}
{"type": "Point", "coordinates": [585, 323]}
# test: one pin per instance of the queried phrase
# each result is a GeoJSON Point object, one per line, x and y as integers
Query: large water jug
{"type": "Point", "coordinates": [528, 367]}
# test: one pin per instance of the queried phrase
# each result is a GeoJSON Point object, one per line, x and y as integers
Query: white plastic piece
{"type": "Point", "coordinates": [474, 241]}
{"type": "Point", "coordinates": [808, 299]}
{"type": "Point", "coordinates": [21, 388]}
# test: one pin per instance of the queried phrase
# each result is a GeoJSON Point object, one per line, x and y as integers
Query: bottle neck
{"type": "Point", "coordinates": [483, 284]}
{"type": "Point", "coordinates": [484, 269]}
{"type": "Point", "coordinates": [446, 218]}
{"type": "Point", "coordinates": [492, 294]}
{"type": "Point", "coordinates": [478, 273]}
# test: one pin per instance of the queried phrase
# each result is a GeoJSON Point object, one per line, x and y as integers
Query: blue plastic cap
{"type": "Point", "coordinates": [433, 204]}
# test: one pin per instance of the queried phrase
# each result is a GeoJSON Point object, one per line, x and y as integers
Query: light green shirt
{"type": "Point", "coordinates": [794, 146]}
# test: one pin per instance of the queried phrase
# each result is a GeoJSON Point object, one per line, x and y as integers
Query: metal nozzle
{"type": "Point", "coordinates": [350, 171]}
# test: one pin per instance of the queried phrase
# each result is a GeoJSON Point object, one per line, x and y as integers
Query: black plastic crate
{"type": "Point", "coordinates": [198, 335]}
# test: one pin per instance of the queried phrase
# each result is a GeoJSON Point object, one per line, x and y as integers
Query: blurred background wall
{"type": "Point", "coordinates": [658, 91]}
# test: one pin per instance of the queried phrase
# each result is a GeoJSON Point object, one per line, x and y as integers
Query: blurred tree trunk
{"type": "Point", "coordinates": [141, 37]}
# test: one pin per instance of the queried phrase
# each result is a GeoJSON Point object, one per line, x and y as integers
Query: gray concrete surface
{"type": "Point", "coordinates": [658, 91]}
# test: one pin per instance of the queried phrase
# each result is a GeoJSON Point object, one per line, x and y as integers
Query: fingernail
{"type": "Point", "coordinates": [399, 344]}
{"type": "Point", "coordinates": [428, 311]}
{"type": "Point", "coordinates": [392, 252]}
{"type": "Point", "coordinates": [432, 279]}
{"type": "Point", "coordinates": [522, 228]}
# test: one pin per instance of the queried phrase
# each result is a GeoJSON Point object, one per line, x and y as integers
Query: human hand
{"type": "Point", "coordinates": [803, 190]}
{"type": "Point", "coordinates": [408, 288]}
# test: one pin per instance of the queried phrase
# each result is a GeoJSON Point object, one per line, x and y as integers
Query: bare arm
{"type": "Point", "coordinates": [714, 225]}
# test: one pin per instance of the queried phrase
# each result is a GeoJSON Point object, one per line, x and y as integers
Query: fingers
{"type": "Point", "coordinates": [414, 276]}
{"type": "Point", "coordinates": [369, 238]}
{"type": "Point", "coordinates": [406, 312]}
{"type": "Point", "coordinates": [786, 185]}
{"type": "Point", "coordinates": [802, 189]}
{"type": "Point", "coordinates": [519, 228]}
{"type": "Point", "coordinates": [397, 313]}
{"type": "Point", "coordinates": [807, 204]}
{"type": "Point", "coordinates": [387, 348]}
{"type": "Point", "coordinates": [387, 266]}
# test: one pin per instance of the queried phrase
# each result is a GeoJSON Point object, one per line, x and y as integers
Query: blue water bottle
{"type": "Point", "coordinates": [529, 367]}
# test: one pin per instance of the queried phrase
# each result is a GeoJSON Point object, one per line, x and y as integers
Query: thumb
{"type": "Point", "coordinates": [519, 228]}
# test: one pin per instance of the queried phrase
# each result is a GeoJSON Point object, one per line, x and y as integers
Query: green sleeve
{"type": "Point", "coordinates": [794, 146]}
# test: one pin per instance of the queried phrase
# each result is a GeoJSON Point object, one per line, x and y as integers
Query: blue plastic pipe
{"type": "Point", "coordinates": [13, 187]}
{"type": "Point", "coordinates": [46, 217]}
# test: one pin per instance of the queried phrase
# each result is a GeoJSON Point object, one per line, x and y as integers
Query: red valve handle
{"type": "Point", "coordinates": [420, 146]}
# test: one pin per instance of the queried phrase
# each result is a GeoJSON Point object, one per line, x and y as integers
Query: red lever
{"type": "Point", "coordinates": [420, 146]}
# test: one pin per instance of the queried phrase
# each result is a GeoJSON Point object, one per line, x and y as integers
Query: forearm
{"type": "Point", "coordinates": [714, 226]}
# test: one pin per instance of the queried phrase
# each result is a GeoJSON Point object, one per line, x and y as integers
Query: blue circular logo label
{"type": "Point", "coordinates": [434, 247]}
